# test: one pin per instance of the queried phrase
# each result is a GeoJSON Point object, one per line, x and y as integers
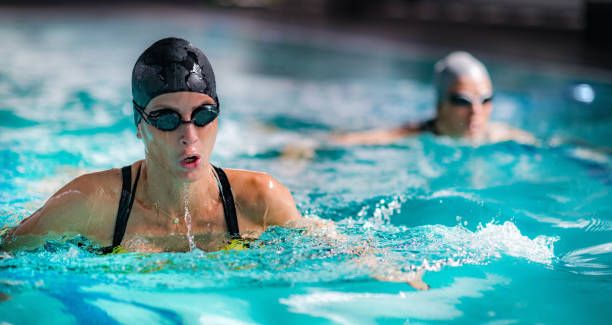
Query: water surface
{"type": "Point", "coordinates": [507, 233]}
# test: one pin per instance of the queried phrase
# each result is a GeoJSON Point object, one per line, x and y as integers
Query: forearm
{"type": "Point", "coordinates": [12, 242]}
{"type": "Point", "coordinates": [363, 252]}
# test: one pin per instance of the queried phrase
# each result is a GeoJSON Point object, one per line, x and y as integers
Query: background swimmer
{"type": "Point", "coordinates": [464, 104]}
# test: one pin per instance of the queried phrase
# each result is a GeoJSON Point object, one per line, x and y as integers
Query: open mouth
{"type": "Point", "coordinates": [474, 126]}
{"type": "Point", "coordinates": [190, 161]}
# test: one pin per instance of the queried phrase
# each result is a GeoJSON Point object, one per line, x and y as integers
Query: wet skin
{"type": "Point", "coordinates": [469, 121]}
{"type": "Point", "coordinates": [168, 186]}
{"type": "Point", "coordinates": [465, 120]}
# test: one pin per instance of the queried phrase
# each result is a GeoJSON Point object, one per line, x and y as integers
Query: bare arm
{"type": "Point", "coordinates": [261, 201]}
{"type": "Point", "coordinates": [274, 206]}
{"type": "Point", "coordinates": [67, 212]}
{"type": "Point", "coordinates": [367, 255]}
{"type": "Point", "coordinates": [283, 212]}
{"type": "Point", "coordinates": [503, 132]}
{"type": "Point", "coordinates": [376, 137]}
{"type": "Point", "coordinates": [280, 208]}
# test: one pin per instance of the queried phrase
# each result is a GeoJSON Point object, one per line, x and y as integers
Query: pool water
{"type": "Point", "coordinates": [506, 233]}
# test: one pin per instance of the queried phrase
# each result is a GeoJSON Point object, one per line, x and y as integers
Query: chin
{"type": "Point", "coordinates": [191, 176]}
{"type": "Point", "coordinates": [462, 132]}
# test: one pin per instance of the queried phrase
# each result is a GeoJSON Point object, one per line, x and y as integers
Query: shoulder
{"type": "Point", "coordinates": [502, 132]}
{"type": "Point", "coordinates": [84, 205]}
{"type": "Point", "coordinates": [253, 188]}
{"type": "Point", "coordinates": [92, 182]}
{"type": "Point", "coordinates": [261, 198]}
{"type": "Point", "coordinates": [101, 185]}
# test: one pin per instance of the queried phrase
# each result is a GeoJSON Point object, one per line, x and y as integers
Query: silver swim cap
{"type": "Point", "coordinates": [455, 65]}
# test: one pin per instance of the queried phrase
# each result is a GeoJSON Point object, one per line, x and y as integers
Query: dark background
{"type": "Point", "coordinates": [573, 32]}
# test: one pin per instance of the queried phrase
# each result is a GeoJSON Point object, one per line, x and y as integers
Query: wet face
{"type": "Point", "coordinates": [465, 108]}
{"type": "Point", "coordinates": [184, 152]}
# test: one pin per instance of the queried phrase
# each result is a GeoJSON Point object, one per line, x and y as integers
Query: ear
{"type": "Point", "coordinates": [138, 134]}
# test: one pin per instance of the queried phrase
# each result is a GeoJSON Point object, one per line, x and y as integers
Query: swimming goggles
{"type": "Point", "coordinates": [463, 100]}
{"type": "Point", "coordinates": [167, 119]}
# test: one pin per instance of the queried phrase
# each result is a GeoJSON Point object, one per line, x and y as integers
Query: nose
{"type": "Point", "coordinates": [476, 107]}
{"type": "Point", "coordinates": [188, 134]}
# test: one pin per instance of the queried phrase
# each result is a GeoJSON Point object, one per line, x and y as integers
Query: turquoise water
{"type": "Point", "coordinates": [507, 233]}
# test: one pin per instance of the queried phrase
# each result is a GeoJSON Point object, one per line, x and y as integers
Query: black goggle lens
{"type": "Point", "coordinates": [166, 119]}
{"type": "Point", "coordinates": [204, 115]}
{"type": "Point", "coordinates": [169, 120]}
{"type": "Point", "coordinates": [460, 100]}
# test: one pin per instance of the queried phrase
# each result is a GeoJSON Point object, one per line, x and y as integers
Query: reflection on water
{"type": "Point", "coordinates": [366, 308]}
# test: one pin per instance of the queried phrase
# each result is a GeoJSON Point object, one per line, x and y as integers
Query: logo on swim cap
{"type": "Point", "coordinates": [194, 79]}
{"type": "Point", "coordinates": [171, 65]}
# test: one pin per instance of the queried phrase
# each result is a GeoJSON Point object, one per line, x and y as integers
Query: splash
{"type": "Point", "coordinates": [192, 245]}
{"type": "Point", "coordinates": [494, 240]}
{"type": "Point", "coordinates": [439, 245]}
{"type": "Point", "coordinates": [433, 246]}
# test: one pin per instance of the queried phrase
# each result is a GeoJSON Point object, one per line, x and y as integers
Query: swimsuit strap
{"type": "Point", "coordinates": [229, 208]}
{"type": "Point", "coordinates": [122, 216]}
{"type": "Point", "coordinates": [125, 206]}
{"type": "Point", "coordinates": [127, 200]}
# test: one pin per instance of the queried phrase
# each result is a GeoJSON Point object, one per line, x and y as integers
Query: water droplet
{"type": "Point", "coordinates": [188, 220]}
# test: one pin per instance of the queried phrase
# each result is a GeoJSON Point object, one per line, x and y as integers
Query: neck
{"type": "Point", "coordinates": [175, 195]}
{"type": "Point", "coordinates": [437, 128]}
{"type": "Point", "coordinates": [440, 128]}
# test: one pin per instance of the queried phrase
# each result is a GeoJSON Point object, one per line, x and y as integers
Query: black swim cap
{"type": "Point", "coordinates": [171, 65]}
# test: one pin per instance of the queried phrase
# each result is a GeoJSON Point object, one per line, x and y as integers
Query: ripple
{"type": "Point", "coordinates": [593, 260]}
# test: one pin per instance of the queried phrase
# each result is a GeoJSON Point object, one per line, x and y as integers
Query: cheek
{"type": "Point", "coordinates": [208, 134]}
{"type": "Point", "coordinates": [456, 112]}
{"type": "Point", "coordinates": [144, 133]}
{"type": "Point", "coordinates": [486, 110]}
{"type": "Point", "coordinates": [156, 142]}
{"type": "Point", "coordinates": [444, 111]}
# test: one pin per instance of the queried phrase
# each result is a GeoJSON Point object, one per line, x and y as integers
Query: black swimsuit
{"type": "Point", "coordinates": [127, 200]}
{"type": "Point", "coordinates": [430, 126]}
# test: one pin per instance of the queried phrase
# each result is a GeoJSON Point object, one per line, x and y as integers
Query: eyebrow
{"type": "Point", "coordinates": [163, 106]}
{"type": "Point", "coordinates": [205, 103]}
{"type": "Point", "coordinates": [489, 95]}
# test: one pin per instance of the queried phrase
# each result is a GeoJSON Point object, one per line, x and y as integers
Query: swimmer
{"type": "Point", "coordinates": [174, 199]}
{"type": "Point", "coordinates": [152, 204]}
{"type": "Point", "coordinates": [464, 105]}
